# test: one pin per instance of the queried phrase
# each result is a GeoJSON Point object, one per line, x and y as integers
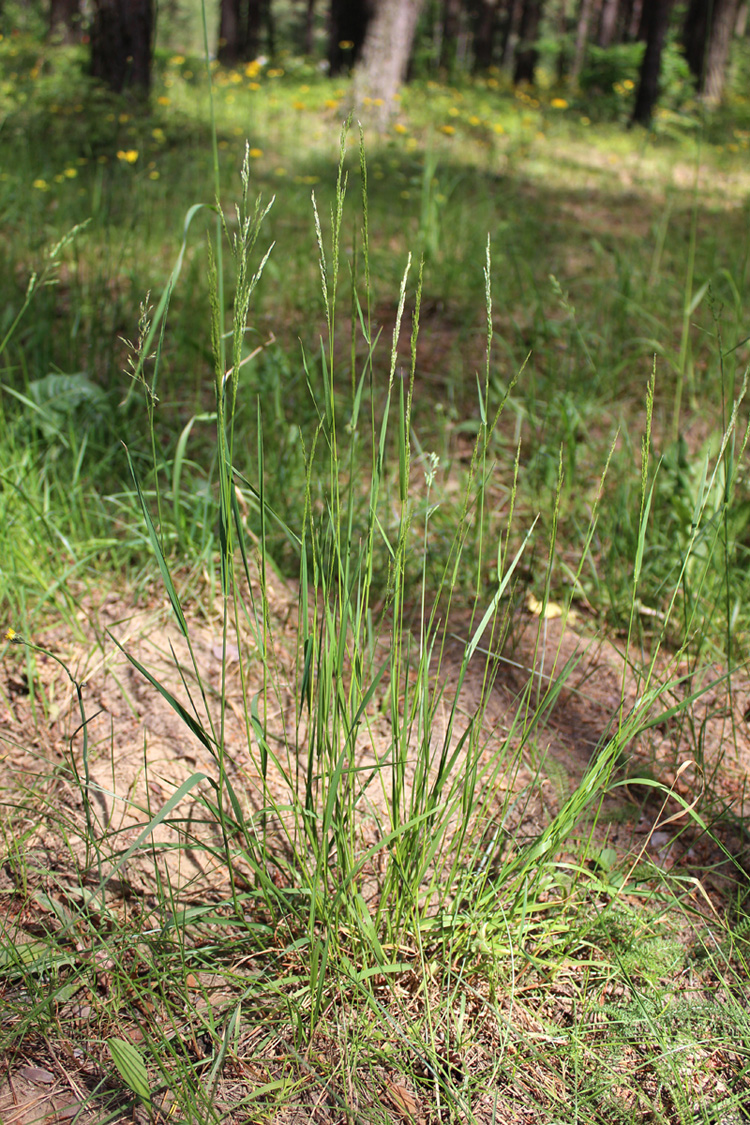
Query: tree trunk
{"type": "Point", "coordinates": [256, 16]}
{"type": "Point", "coordinates": [695, 37]}
{"type": "Point", "coordinates": [485, 24]}
{"type": "Point", "coordinates": [511, 24]}
{"type": "Point", "coordinates": [582, 35]}
{"type": "Point", "coordinates": [122, 43]}
{"type": "Point", "coordinates": [630, 19]}
{"type": "Point", "coordinates": [608, 23]}
{"type": "Point", "coordinates": [349, 20]}
{"type": "Point", "coordinates": [648, 86]}
{"type": "Point", "coordinates": [642, 24]}
{"type": "Point", "coordinates": [451, 27]}
{"type": "Point", "coordinates": [706, 42]}
{"type": "Point", "coordinates": [65, 20]}
{"type": "Point", "coordinates": [231, 35]}
{"type": "Point", "coordinates": [385, 57]}
{"type": "Point", "coordinates": [723, 24]}
{"type": "Point", "coordinates": [527, 52]}
{"type": "Point", "coordinates": [308, 41]}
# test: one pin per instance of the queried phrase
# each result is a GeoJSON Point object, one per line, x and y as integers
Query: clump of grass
{"type": "Point", "coordinates": [426, 961]}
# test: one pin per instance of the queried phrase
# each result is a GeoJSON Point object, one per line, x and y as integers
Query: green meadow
{"type": "Point", "coordinates": [376, 530]}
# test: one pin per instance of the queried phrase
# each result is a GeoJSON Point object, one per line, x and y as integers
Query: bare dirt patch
{"type": "Point", "coordinates": [141, 751]}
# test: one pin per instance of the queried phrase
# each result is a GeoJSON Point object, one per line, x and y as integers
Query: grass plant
{"type": "Point", "coordinates": [356, 899]}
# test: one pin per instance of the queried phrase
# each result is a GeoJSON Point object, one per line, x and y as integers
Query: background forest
{"type": "Point", "coordinates": [376, 561]}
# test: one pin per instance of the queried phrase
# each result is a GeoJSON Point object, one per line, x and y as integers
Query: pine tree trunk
{"type": "Point", "coordinates": [582, 35]}
{"type": "Point", "coordinates": [122, 43]}
{"type": "Point", "coordinates": [231, 35]}
{"type": "Point", "coordinates": [695, 37]}
{"type": "Point", "coordinates": [511, 25]}
{"type": "Point", "coordinates": [648, 86]}
{"type": "Point", "coordinates": [527, 52]}
{"type": "Point", "coordinates": [608, 23]}
{"type": "Point", "coordinates": [719, 44]}
{"type": "Point", "coordinates": [485, 24]}
{"type": "Point", "coordinates": [385, 58]}
{"type": "Point", "coordinates": [451, 26]}
{"type": "Point", "coordinates": [255, 19]}
{"type": "Point", "coordinates": [308, 40]}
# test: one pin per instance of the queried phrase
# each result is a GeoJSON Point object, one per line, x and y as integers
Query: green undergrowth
{"type": "Point", "coordinates": [398, 923]}
{"type": "Point", "coordinates": [413, 912]}
{"type": "Point", "coordinates": [608, 249]}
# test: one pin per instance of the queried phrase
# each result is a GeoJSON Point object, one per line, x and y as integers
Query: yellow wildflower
{"type": "Point", "coordinates": [255, 153]}
{"type": "Point", "coordinates": [449, 130]}
{"type": "Point", "coordinates": [559, 103]}
{"type": "Point", "coordinates": [129, 156]}
{"type": "Point", "coordinates": [70, 173]}
{"type": "Point", "coordinates": [41, 185]}
{"type": "Point", "coordinates": [163, 100]}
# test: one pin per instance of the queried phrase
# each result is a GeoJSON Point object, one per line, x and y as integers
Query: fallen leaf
{"type": "Point", "coordinates": [37, 1074]}
{"type": "Point", "coordinates": [402, 1100]}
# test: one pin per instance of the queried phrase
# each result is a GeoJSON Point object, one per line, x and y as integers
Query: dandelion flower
{"type": "Point", "coordinates": [559, 103]}
{"type": "Point", "coordinates": [400, 128]}
{"type": "Point", "coordinates": [41, 185]}
{"type": "Point", "coordinates": [449, 130]}
{"type": "Point", "coordinates": [255, 153]}
{"type": "Point", "coordinates": [128, 157]}
{"type": "Point", "coordinates": [70, 173]}
{"type": "Point", "coordinates": [163, 100]}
